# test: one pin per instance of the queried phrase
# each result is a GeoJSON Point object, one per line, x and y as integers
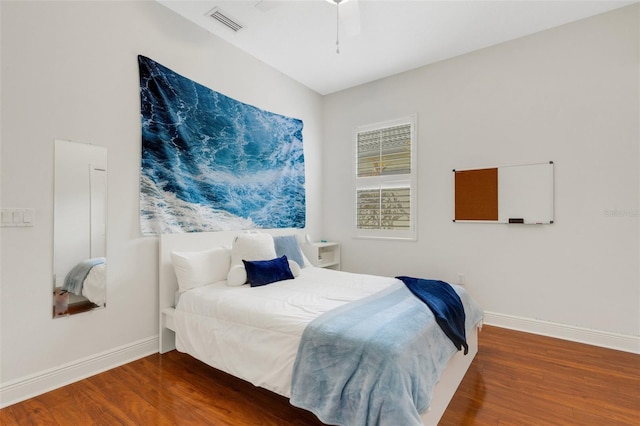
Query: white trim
{"type": "Point", "coordinates": [620, 342]}
{"type": "Point", "coordinates": [47, 380]}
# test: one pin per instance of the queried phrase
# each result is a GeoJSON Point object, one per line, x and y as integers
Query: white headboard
{"type": "Point", "coordinates": [194, 241]}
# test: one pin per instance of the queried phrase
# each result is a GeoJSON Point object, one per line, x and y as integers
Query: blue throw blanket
{"type": "Point", "coordinates": [445, 304]}
{"type": "Point", "coordinates": [374, 361]}
{"type": "Point", "coordinates": [74, 280]}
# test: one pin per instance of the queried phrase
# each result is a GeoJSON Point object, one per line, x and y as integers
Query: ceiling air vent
{"type": "Point", "coordinates": [224, 19]}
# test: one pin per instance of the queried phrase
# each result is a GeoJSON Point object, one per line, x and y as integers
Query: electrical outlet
{"type": "Point", "coordinates": [461, 279]}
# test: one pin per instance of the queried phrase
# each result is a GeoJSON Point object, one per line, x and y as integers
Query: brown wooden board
{"type": "Point", "coordinates": [476, 194]}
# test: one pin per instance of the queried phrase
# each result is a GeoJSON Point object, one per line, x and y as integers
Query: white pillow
{"type": "Point", "coordinates": [295, 268]}
{"type": "Point", "coordinates": [237, 276]}
{"type": "Point", "coordinates": [250, 245]}
{"type": "Point", "coordinates": [199, 268]}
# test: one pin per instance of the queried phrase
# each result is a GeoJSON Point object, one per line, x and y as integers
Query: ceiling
{"type": "Point", "coordinates": [377, 38]}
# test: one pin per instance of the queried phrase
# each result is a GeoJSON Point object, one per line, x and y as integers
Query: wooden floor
{"type": "Point", "coordinates": [516, 379]}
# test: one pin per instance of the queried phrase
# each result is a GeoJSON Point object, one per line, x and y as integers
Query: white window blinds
{"type": "Point", "coordinates": [384, 208]}
{"type": "Point", "coordinates": [385, 180]}
{"type": "Point", "coordinates": [385, 151]}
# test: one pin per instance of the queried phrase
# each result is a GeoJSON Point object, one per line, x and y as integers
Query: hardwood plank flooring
{"type": "Point", "coordinates": [525, 379]}
{"type": "Point", "coordinates": [516, 379]}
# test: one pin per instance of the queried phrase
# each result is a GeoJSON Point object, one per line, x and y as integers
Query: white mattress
{"type": "Point", "coordinates": [253, 333]}
{"type": "Point", "coordinates": [94, 285]}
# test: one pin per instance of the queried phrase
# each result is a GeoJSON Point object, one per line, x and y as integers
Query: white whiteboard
{"type": "Point", "coordinates": [526, 192]}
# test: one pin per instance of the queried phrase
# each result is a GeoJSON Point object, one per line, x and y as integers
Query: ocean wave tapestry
{"type": "Point", "coordinates": [212, 163]}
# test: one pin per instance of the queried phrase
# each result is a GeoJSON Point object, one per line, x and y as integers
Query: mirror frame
{"type": "Point", "coordinates": [79, 228]}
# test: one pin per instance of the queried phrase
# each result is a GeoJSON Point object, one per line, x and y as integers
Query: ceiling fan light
{"type": "Point", "coordinates": [337, 1]}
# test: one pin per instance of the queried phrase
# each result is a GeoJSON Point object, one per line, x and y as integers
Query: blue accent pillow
{"type": "Point", "coordinates": [288, 246]}
{"type": "Point", "coordinates": [262, 272]}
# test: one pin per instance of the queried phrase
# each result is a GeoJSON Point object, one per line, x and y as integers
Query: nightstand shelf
{"type": "Point", "coordinates": [167, 334]}
{"type": "Point", "coordinates": [323, 255]}
{"type": "Point", "coordinates": [167, 317]}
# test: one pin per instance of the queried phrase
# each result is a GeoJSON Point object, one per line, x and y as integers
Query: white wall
{"type": "Point", "coordinates": [569, 95]}
{"type": "Point", "coordinates": [69, 71]}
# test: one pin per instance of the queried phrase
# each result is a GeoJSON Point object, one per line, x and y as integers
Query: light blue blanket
{"type": "Point", "coordinates": [74, 280]}
{"type": "Point", "coordinates": [374, 361]}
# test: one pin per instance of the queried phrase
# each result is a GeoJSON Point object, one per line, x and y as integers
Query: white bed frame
{"type": "Point", "coordinates": [168, 285]}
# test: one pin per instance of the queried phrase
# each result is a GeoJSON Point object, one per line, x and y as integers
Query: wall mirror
{"type": "Point", "coordinates": [79, 228]}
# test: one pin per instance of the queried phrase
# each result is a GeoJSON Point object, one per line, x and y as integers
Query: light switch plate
{"type": "Point", "coordinates": [7, 217]}
{"type": "Point", "coordinates": [17, 217]}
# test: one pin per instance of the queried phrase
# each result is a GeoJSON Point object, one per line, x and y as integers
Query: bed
{"type": "Point", "coordinates": [88, 278]}
{"type": "Point", "coordinates": [232, 328]}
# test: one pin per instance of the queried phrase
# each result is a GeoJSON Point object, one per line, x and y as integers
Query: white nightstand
{"type": "Point", "coordinates": [323, 255]}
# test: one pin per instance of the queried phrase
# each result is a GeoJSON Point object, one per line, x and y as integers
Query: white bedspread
{"type": "Point", "coordinates": [254, 333]}
{"type": "Point", "coordinates": [95, 285]}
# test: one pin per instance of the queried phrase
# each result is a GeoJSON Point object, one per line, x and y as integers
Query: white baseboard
{"type": "Point", "coordinates": [621, 342]}
{"type": "Point", "coordinates": [45, 381]}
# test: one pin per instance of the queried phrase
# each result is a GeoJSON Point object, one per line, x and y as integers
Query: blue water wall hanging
{"type": "Point", "coordinates": [212, 163]}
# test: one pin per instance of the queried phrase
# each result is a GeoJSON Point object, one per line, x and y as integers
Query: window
{"type": "Point", "coordinates": [386, 179]}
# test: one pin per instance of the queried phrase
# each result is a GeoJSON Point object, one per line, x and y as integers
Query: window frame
{"type": "Point", "coordinates": [408, 180]}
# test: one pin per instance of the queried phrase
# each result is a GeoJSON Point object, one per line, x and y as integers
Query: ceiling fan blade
{"type": "Point", "coordinates": [266, 5]}
{"type": "Point", "coordinates": [350, 17]}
